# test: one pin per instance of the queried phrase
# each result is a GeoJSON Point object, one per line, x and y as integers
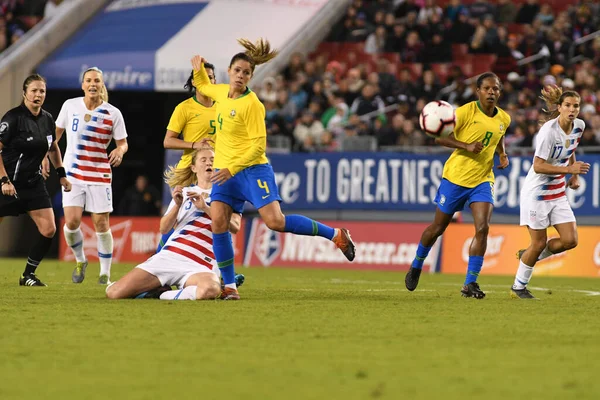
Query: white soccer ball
{"type": "Point", "coordinates": [437, 119]}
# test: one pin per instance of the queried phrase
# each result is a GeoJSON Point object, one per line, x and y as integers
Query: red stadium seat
{"type": "Point", "coordinates": [459, 50]}
{"type": "Point", "coordinates": [483, 63]}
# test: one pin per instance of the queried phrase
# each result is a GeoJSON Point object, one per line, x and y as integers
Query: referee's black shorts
{"type": "Point", "coordinates": [31, 196]}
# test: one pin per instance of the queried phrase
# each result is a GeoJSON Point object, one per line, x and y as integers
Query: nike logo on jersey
{"type": "Point", "coordinates": [264, 197]}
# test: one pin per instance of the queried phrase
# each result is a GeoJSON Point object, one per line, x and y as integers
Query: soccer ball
{"type": "Point", "coordinates": [437, 119]}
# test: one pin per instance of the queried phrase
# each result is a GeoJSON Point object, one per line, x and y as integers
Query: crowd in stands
{"type": "Point", "coordinates": [19, 16]}
{"type": "Point", "coordinates": [386, 59]}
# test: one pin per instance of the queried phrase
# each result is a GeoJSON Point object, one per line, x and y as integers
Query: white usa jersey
{"type": "Point", "coordinates": [88, 135]}
{"type": "Point", "coordinates": [556, 147]}
{"type": "Point", "coordinates": [192, 234]}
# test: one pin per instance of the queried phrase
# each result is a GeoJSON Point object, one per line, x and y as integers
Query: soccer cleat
{"type": "Point", "coordinates": [154, 293]}
{"type": "Point", "coordinates": [520, 253]}
{"type": "Point", "coordinates": [344, 242]}
{"type": "Point", "coordinates": [79, 272]}
{"type": "Point", "coordinates": [472, 290]}
{"type": "Point", "coordinates": [239, 279]}
{"type": "Point", "coordinates": [521, 293]}
{"type": "Point", "coordinates": [229, 294]}
{"type": "Point", "coordinates": [103, 280]}
{"type": "Point", "coordinates": [412, 278]}
{"type": "Point", "coordinates": [30, 280]}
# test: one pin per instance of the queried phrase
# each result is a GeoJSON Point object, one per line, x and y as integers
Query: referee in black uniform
{"type": "Point", "coordinates": [27, 134]}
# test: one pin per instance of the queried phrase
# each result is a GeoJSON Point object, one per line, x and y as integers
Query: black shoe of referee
{"type": "Point", "coordinates": [30, 280]}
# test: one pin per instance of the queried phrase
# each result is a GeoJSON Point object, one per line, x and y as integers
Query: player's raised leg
{"type": "Point", "coordinates": [428, 239]}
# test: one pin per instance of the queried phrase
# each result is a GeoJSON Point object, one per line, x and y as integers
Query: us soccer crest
{"type": "Point", "coordinates": [87, 117]}
{"type": "Point", "coordinates": [567, 143]}
{"type": "Point", "coordinates": [232, 114]}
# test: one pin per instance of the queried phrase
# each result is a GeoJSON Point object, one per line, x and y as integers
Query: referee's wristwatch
{"type": "Point", "coordinates": [4, 180]}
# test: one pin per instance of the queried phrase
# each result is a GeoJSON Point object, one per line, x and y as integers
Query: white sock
{"type": "Point", "coordinates": [231, 286]}
{"type": "Point", "coordinates": [187, 293]}
{"type": "Point", "coordinates": [105, 250]}
{"type": "Point", "coordinates": [74, 239]}
{"type": "Point", "coordinates": [523, 276]}
{"type": "Point", "coordinates": [545, 253]}
{"type": "Point", "coordinates": [336, 232]}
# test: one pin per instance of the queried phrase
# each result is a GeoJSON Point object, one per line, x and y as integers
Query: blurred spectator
{"type": "Point", "coordinates": [411, 53]}
{"type": "Point", "coordinates": [428, 88]}
{"type": "Point", "coordinates": [506, 12]}
{"type": "Point", "coordinates": [453, 10]}
{"type": "Point", "coordinates": [140, 200]}
{"type": "Point", "coordinates": [368, 102]}
{"type": "Point", "coordinates": [545, 15]}
{"type": "Point", "coordinates": [395, 42]}
{"type": "Point", "coordinates": [406, 7]}
{"type": "Point", "coordinates": [479, 8]}
{"type": "Point", "coordinates": [461, 31]}
{"type": "Point", "coordinates": [589, 138]}
{"type": "Point", "coordinates": [268, 93]}
{"type": "Point", "coordinates": [376, 41]}
{"type": "Point", "coordinates": [428, 11]}
{"type": "Point", "coordinates": [527, 12]}
{"type": "Point", "coordinates": [308, 132]}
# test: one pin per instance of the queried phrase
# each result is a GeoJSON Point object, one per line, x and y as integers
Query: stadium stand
{"type": "Point", "coordinates": [385, 59]}
{"type": "Point", "coordinates": [19, 16]}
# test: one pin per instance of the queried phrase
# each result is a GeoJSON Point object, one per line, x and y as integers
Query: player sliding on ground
{"type": "Point", "coordinates": [187, 260]}
{"type": "Point", "coordinates": [242, 171]}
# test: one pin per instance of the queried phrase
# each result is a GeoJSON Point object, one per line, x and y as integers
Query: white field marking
{"type": "Point", "coordinates": [587, 292]}
{"type": "Point", "coordinates": [360, 282]}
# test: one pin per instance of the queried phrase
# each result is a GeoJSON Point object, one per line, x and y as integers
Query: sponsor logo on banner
{"type": "Point", "coordinates": [134, 239]}
{"type": "Point", "coordinates": [125, 78]}
{"type": "Point", "coordinates": [505, 240]}
{"type": "Point", "coordinates": [379, 245]}
{"type": "Point", "coordinates": [393, 181]}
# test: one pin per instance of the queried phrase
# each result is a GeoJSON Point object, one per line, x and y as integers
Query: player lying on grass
{"type": "Point", "coordinates": [187, 260]}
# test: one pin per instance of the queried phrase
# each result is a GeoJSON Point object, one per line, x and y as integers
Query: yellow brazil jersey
{"type": "Point", "coordinates": [239, 121]}
{"type": "Point", "coordinates": [467, 169]}
{"type": "Point", "coordinates": [194, 122]}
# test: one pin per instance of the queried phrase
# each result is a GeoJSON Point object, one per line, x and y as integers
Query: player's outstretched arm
{"type": "Point", "coordinates": [540, 166]}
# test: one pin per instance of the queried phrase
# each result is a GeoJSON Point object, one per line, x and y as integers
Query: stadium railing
{"type": "Point", "coordinates": [574, 59]}
{"type": "Point", "coordinates": [19, 60]}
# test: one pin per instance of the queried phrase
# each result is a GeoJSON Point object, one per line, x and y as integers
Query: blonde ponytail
{"type": "Point", "coordinates": [180, 176]}
{"type": "Point", "coordinates": [104, 93]}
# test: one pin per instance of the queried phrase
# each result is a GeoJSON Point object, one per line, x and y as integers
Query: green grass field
{"type": "Point", "coordinates": [299, 334]}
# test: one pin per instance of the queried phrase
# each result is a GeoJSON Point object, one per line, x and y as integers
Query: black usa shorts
{"type": "Point", "coordinates": [31, 196]}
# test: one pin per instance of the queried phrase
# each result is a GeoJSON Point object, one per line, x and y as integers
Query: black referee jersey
{"type": "Point", "coordinates": [26, 139]}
